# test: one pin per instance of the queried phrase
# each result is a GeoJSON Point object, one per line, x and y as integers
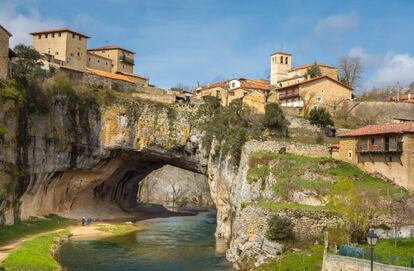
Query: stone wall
{"type": "Point", "coordinates": [341, 263]}
{"type": "Point", "coordinates": [297, 148]}
{"type": "Point", "coordinates": [4, 53]}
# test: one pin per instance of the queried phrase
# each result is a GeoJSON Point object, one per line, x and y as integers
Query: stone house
{"type": "Point", "coordinates": [253, 92]}
{"type": "Point", "coordinates": [386, 149]}
{"type": "Point", "coordinates": [68, 49]}
{"type": "Point", "coordinates": [62, 46]}
{"type": "Point", "coordinates": [292, 87]}
{"type": "Point", "coordinates": [5, 52]}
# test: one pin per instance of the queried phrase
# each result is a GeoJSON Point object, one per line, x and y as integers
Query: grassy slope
{"type": "Point", "coordinates": [309, 260]}
{"type": "Point", "coordinates": [386, 252]}
{"type": "Point", "coordinates": [33, 226]}
{"type": "Point", "coordinates": [116, 229]}
{"type": "Point", "coordinates": [34, 255]}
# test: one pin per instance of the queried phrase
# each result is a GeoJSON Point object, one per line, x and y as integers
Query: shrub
{"type": "Point", "coordinates": [320, 117]}
{"type": "Point", "coordinates": [279, 228]}
{"type": "Point", "coordinates": [314, 71]}
{"type": "Point", "coordinates": [274, 118]}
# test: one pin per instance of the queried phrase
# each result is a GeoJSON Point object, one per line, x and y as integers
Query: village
{"type": "Point", "coordinates": [318, 114]}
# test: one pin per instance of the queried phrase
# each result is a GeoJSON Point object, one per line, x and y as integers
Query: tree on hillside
{"type": "Point", "coordinates": [320, 117]}
{"type": "Point", "coordinates": [314, 70]}
{"type": "Point", "coordinates": [350, 70]}
{"type": "Point", "coordinates": [401, 213]}
{"type": "Point", "coordinates": [274, 118]}
{"type": "Point", "coordinates": [27, 67]}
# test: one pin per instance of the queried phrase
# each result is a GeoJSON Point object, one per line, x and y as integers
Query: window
{"type": "Point", "coordinates": [79, 54]}
{"type": "Point", "coordinates": [71, 54]}
{"type": "Point", "coordinates": [73, 36]}
{"type": "Point", "coordinates": [315, 107]}
{"type": "Point", "coordinates": [45, 36]}
{"type": "Point", "coordinates": [281, 59]}
{"type": "Point", "coordinates": [53, 35]}
{"type": "Point", "coordinates": [106, 63]}
{"type": "Point", "coordinates": [322, 90]}
{"type": "Point", "coordinates": [59, 34]}
{"type": "Point", "coordinates": [89, 59]}
{"type": "Point", "coordinates": [80, 38]}
{"type": "Point", "coordinates": [349, 154]}
{"type": "Point", "coordinates": [286, 60]}
{"type": "Point", "coordinates": [233, 85]}
{"type": "Point", "coordinates": [56, 53]}
{"type": "Point", "coordinates": [99, 61]}
{"type": "Point", "coordinates": [319, 99]}
{"type": "Point", "coordinates": [40, 36]}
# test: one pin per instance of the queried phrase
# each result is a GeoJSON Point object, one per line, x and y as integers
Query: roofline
{"type": "Point", "coordinates": [281, 53]}
{"type": "Point", "coordinates": [59, 30]}
{"type": "Point", "coordinates": [5, 30]}
{"type": "Point", "coordinates": [116, 47]}
{"type": "Point", "coordinates": [390, 133]}
{"type": "Point", "coordinates": [132, 74]}
{"type": "Point", "coordinates": [319, 64]}
{"type": "Point", "coordinates": [100, 56]}
{"type": "Point", "coordinates": [316, 79]}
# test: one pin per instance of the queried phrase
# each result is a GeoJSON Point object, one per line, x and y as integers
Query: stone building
{"type": "Point", "coordinates": [252, 92]}
{"type": "Point", "coordinates": [63, 46]}
{"type": "Point", "coordinates": [292, 87]}
{"type": "Point", "coordinates": [386, 149]}
{"type": "Point", "coordinates": [122, 61]}
{"type": "Point", "coordinates": [4, 52]}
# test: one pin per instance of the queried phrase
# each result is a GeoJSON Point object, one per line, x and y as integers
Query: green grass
{"type": "Point", "coordinates": [35, 254]}
{"type": "Point", "coordinates": [116, 229]}
{"type": "Point", "coordinates": [402, 255]}
{"type": "Point", "coordinates": [289, 170]}
{"type": "Point", "coordinates": [309, 260]}
{"type": "Point", "coordinates": [32, 226]}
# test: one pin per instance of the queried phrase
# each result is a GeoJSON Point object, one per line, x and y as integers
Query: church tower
{"type": "Point", "coordinates": [280, 65]}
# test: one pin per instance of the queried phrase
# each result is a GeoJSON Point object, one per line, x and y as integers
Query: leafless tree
{"type": "Point", "coordinates": [401, 213]}
{"type": "Point", "coordinates": [350, 70]}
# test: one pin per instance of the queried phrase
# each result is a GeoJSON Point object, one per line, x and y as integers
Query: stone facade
{"type": "Point", "coordinates": [395, 166]}
{"type": "Point", "coordinates": [255, 100]}
{"type": "Point", "coordinates": [341, 263]}
{"type": "Point", "coordinates": [4, 52]}
{"type": "Point", "coordinates": [64, 45]}
{"type": "Point", "coordinates": [99, 62]}
{"type": "Point", "coordinates": [122, 60]}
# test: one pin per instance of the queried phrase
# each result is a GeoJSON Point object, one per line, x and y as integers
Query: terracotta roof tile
{"type": "Point", "coordinates": [110, 75]}
{"type": "Point", "coordinates": [131, 74]}
{"type": "Point", "coordinates": [59, 30]}
{"type": "Point", "coordinates": [315, 79]}
{"type": "Point", "coordinates": [380, 129]}
{"type": "Point", "coordinates": [305, 66]}
{"type": "Point", "coordinates": [110, 47]}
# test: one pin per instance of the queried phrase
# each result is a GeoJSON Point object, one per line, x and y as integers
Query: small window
{"type": "Point", "coordinates": [233, 85]}
{"type": "Point", "coordinates": [89, 60]}
{"type": "Point", "coordinates": [40, 36]}
{"type": "Point", "coordinates": [286, 60]}
{"type": "Point", "coordinates": [59, 34]}
{"type": "Point", "coordinates": [56, 53]}
{"type": "Point", "coordinates": [349, 154]}
{"type": "Point", "coordinates": [322, 91]}
{"type": "Point", "coordinates": [106, 63]}
{"type": "Point", "coordinates": [315, 107]}
{"type": "Point", "coordinates": [45, 36]}
{"type": "Point", "coordinates": [53, 35]}
{"type": "Point", "coordinates": [71, 54]}
{"type": "Point", "coordinates": [80, 38]}
{"type": "Point", "coordinates": [99, 61]}
{"type": "Point", "coordinates": [73, 36]}
{"type": "Point", "coordinates": [319, 99]}
{"type": "Point", "coordinates": [281, 59]}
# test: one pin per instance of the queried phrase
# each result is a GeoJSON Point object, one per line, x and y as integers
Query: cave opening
{"type": "Point", "coordinates": [123, 186]}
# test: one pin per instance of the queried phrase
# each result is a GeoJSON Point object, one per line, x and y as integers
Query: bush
{"type": "Point", "coordinates": [350, 251]}
{"type": "Point", "coordinates": [274, 118]}
{"type": "Point", "coordinates": [314, 71]}
{"type": "Point", "coordinates": [279, 228]}
{"type": "Point", "coordinates": [320, 117]}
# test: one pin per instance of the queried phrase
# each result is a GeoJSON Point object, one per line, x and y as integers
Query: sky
{"type": "Point", "coordinates": [182, 42]}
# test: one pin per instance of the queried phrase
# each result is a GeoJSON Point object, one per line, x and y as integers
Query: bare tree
{"type": "Point", "coordinates": [350, 70]}
{"type": "Point", "coordinates": [401, 213]}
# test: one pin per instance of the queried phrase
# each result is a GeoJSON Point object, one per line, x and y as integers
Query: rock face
{"type": "Point", "coordinates": [175, 187]}
{"type": "Point", "coordinates": [79, 161]}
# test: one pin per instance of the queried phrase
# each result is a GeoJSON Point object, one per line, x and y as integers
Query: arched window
{"type": "Point", "coordinates": [286, 60]}
{"type": "Point", "coordinates": [281, 59]}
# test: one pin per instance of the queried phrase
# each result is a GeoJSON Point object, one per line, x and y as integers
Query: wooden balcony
{"type": "Point", "coordinates": [287, 94]}
{"type": "Point", "coordinates": [380, 147]}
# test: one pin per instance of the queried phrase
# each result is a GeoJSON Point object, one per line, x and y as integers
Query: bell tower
{"type": "Point", "coordinates": [280, 65]}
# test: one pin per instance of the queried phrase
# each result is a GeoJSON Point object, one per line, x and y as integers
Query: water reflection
{"type": "Point", "coordinates": [176, 243]}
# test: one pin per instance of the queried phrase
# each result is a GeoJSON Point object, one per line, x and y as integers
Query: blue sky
{"type": "Point", "coordinates": [185, 41]}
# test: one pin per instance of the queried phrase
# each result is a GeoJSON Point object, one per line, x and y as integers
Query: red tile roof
{"type": "Point", "coordinates": [315, 79]}
{"type": "Point", "coordinates": [131, 74]}
{"type": "Point", "coordinates": [403, 97]}
{"type": "Point", "coordinates": [110, 75]}
{"type": "Point", "coordinates": [110, 47]}
{"type": "Point", "coordinates": [57, 30]}
{"type": "Point", "coordinates": [380, 129]}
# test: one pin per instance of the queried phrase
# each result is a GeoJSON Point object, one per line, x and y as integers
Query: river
{"type": "Point", "coordinates": [175, 243]}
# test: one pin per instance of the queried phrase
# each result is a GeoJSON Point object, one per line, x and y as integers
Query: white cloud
{"type": "Point", "coordinates": [21, 25]}
{"type": "Point", "coordinates": [387, 69]}
{"type": "Point", "coordinates": [338, 22]}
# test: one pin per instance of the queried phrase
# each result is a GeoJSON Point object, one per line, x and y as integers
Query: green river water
{"type": "Point", "coordinates": [175, 243]}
